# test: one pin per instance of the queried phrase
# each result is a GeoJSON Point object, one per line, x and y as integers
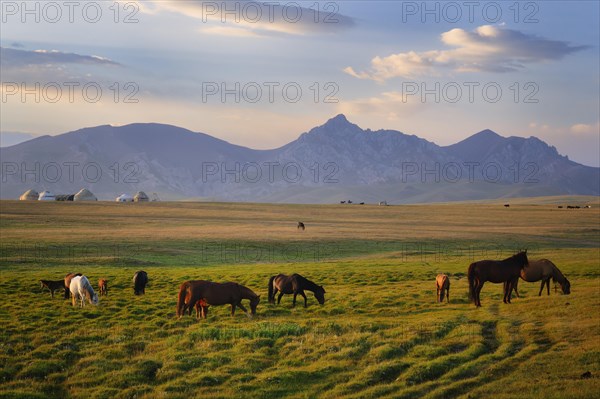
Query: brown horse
{"type": "Point", "coordinates": [53, 285]}
{"type": "Point", "coordinates": [103, 286]}
{"type": "Point", "coordinates": [442, 283]}
{"type": "Point", "coordinates": [294, 284]}
{"type": "Point", "coordinates": [544, 270]}
{"type": "Point", "coordinates": [68, 279]}
{"type": "Point", "coordinates": [202, 293]}
{"type": "Point", "coordinates": [495, 271]}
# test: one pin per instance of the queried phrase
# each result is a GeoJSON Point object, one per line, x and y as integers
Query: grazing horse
{"type": "Point", "coordinates": [294, 284]}
{"type": "Point", "coordinates": [68, 278]}
{"type": "Point", "coordinates": [81, 289]}
{"type": "Point", "coordinates": [53, 285]}
{"type": "Point", "coordinates": [301, 226]}
{"type": "Point", "coordinates": [495, 271]}
{"type": "Point", "coordinates": [442, 282]}
{"type": "Point", "coordinates": [103, 286]}
{"type": "Point", "coordinates": [201, 293]}
{"type": "Point", "coordinates": [544, 270]}
{"type": "Point", "coordinates": [140, 279]}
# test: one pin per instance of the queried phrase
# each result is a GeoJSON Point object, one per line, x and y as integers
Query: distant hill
{"type": "Point", "coordinates": [333, 162]}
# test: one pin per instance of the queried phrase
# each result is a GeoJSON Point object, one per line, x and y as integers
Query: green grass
{"type": "Point", "coordinates": [379, 334]}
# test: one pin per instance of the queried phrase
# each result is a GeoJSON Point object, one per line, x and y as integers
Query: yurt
{"type": "Point", "coordinates": [46, 196]}
{"type": "Point", "coordinates": [29, 195]}
{"type": "Point", "coordinates": [141, 197]}
{"type": "Point", "coordinates": [65, 197]}
{"type": "Point", "coordinates": [85, 195]}
{"type": "Point", "coordinates": [124, 198]}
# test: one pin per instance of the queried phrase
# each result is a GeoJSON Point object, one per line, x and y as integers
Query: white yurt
{"type": "Point", "coordinates": [29, 195]}
{"type": "Point", "coordinates": [46, 196]}
{"type": "Point", "coordinates": [85, 195]}
{"type": "Point", "coordinates": [124, 198]}
{"type": "Point", "coordinates": [141, 197]}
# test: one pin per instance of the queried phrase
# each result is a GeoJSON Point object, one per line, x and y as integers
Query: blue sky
{"type": "Point", "coordinates": [260, 74]}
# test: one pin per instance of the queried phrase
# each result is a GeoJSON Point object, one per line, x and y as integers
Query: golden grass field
{"type": "Point", "coordinates": [380, 332]}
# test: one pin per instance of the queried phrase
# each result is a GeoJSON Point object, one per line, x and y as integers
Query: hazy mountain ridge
{"type": "Point", "coordinates": [335, 161]}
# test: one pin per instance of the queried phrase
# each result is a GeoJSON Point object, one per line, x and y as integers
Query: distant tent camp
{"type": "Point", "coordinates": [29, 195]}
{"type": "Point", "coordinates": [46, 196]}
{"type": "Point", "coordinates": [65, 197]}
{"type": "Point", "coordinates": [85, 195]}
{"type": "Point", "coordinates": [141, 197]}
{"type": "Point", "coordinates": [124, 198]}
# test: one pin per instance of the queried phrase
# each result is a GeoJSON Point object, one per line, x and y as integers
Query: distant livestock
{"type": "Point", "coordinates": [300, 226]}
{"type": "Point", "coordinates": [53, 285]}
{"type": "Point", "coordinates": [81, 289]}
{"type": "Point", "coordinates": [442, 283]}
{"type": "Point", "coordinates": [103, 286]}
{"type": "Point", "coordinates": [294, 284]}
{"type": "Point", "coordinates": [140, 279]}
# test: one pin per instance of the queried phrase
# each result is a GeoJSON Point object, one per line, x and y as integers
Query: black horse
{"type": "Point", "coordinates": [294, 284]}
{"type": "Point", "coordinates": [301, 226]}
{"type": "Point", "coordinates": [140, 279]}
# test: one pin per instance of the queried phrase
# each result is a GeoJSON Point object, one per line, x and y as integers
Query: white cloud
{"type": "Point", "coordinates": [487, 49]}
{"type": "Point", "coordinates": [265, 17]}
{"type": "Point", "coordinates": [582, 129]}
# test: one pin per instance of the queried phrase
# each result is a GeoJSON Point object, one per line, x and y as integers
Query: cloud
{"type": "Point", "coordinates": [268, 18]}
{"type": "Point", "coordinates": [391, 105]}
{"type": "Point", "coordinates": [229, 31]}
{"type": "Point", "coordinates": [19, 58]}
{"type": "Point", "coordinates": [486, 49]}
{"type": "Point", "coordinates": [584, 129]}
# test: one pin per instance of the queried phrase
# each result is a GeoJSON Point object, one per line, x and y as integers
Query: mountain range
{"type": "Point", "coordinates": [337, 161]}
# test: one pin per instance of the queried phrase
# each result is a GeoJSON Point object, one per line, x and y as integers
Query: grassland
{"type": "Point", "coordinates": [379, 334]}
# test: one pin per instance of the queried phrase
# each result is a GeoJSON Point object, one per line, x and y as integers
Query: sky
{"type": "Point", "coordinates": [259, 74]}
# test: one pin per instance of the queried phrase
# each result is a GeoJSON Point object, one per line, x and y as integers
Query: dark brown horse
{"type": "Point", "coordinates": [68, 279]}
{"type": "Point", "coordinates": [294, 284]}
{"type": "Point", "coordinates": [140, 279]}
{"type": "Point", "coordinates": [544, 270]}
{"type": "Point", "coordinates": [53, 285]}
{"type": "Point", "coordinates": [201, 293]}
{"type": "Point", "coordinates": [495, 271]}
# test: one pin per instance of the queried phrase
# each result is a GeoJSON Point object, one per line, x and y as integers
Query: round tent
{"type": "Point", "coordinates": [141, 197]}
{"type": "Point", "coordinates": [46, 196]}
{"type": "Point", "coordinates": [29, 195]}
{"type": "Point", "coordinates": [124, 198]}
{"type": "Point", "coordinates": [85, 195]}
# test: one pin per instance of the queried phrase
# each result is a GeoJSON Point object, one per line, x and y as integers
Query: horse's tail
{"type": "Point", "coordinates": [181, 299]}
{"type": "Point", "coordinates": [471, 277]}
{"type": "Point", "coordinates": [271, 295]}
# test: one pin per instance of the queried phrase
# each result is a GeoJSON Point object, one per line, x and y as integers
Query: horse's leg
{"type": "Point", "coordinates": [304, 296]}
{"type": "Point", "coordinates": [243, 308]}
{"type": "Point", "coordinates": [477, 293]}
{"type": "Point", "coordinates": [437, 287]}
{"type": "Point", "coordinates": [548, 285]}
{"type": "Point", "coordinates": [279, 297]}
{"type": "Point", "coordinates": [233, 309]}
{"type": "Point", "coordinates": [541, 288]}
{"type": "Point", "coordinates": [448, 294]}
{"type": "Point", "coordinates": [294, 301]}
{"type": "Point", "coordinates": [197, 310]}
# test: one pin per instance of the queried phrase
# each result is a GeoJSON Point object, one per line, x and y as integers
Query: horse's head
{"type": "Point", "coordinates": [521, 258]}
{"type": "Point", "coordinates": [566, 287]}
{"type": "Point", "coordinates": [320, 294]}
{"type": "Point", "coordinates": [254, 303]}
{"type": "Point", "coordinates": [95, 299]}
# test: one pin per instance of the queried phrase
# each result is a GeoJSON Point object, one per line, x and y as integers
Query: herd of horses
{"type": "Point", "coordinates": [201, 294]}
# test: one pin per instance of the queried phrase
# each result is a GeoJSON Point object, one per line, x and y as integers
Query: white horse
{"type": "Point", "coordinates": [82, 289]}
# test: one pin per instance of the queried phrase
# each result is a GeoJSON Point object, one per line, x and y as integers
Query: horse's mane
{"type": "Point", "coordinates": [247, 290]}
{"type": "Point", "coordinates": [85, 283]}
{"type": "Point", "coordinates": [309, 284]}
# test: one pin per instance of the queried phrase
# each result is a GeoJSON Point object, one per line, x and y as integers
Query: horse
{"type": "Point", "coordinates": [103, 286]}
{"type": "Point", "coordinates": [68, 278]}
{"type": "Point", "coordinates": [442, 283]}
{"type": "Point", "coordinates": [140, 279]}
{"type": "Point", "coordinates": [544, 270]}
{"type": "Point", "coordinates": [81, 289]}
{"type": "Point", "coordinates": [495, 271]}
{"type": "Point", "coordinates": [294, 284]}
{"type": "Point", "coordinates": [301, 226]}
{"type": "Point", "coordinates": [201, 293]}
{"type": "Point", "coordinates": [53, 285]}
